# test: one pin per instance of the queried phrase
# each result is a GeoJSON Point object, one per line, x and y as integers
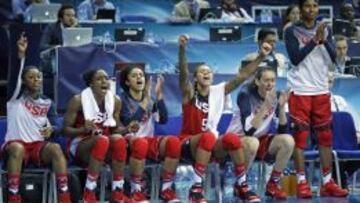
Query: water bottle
{"type": "Point", "coordinates": [183, 182]}
{"type": "Point", "coordinates": [150, 38]}
{"type": "Point", "coordinates": [263, 18]}
{"type": "Point", "coordinates": [82, 14]}
{"type": "Point", "coordinates": [107, 37]}
{"type": "Point", "coordinates": [117, 15]}
{"type": "Point", "coordinates": [252, 178]}
{"type": "Point", "coordinates": [285, 181]}
{"type": "Point", "coordinates": [269, 16]}
{"type": "Point", "coordinates": [229, 179]}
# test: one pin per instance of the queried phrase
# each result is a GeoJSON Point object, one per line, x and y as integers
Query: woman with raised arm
{"type": "Point", "coordinates": [31, 120]}
{"type": "Point", "coordinates": [202, 106]}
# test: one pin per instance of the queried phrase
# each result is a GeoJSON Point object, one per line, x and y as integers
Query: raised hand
{"type": "Point", "coordinates": [265, 49]}
{"type": "Point", "coordinates": [284, 96]}
{"type": "Point", "coordinates": [22, 45]}
{"type": "Point", "coordinates": [147, 90]}
{"type": "Point", "coordinates": [270, 98]}
{"type": "Point", "coordinates": [158, 87]}
{"type": "Point", "coordinates": [320, 32]}
{"type": "Point", "coordinates": [183, 40]}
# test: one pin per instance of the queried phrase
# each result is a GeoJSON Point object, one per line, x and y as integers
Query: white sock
{"type": "Point", "coordinates": [166, 185]}
{"type": "Point", "coordinates": [300, 177]}
{"type": "Point", "coordinates": [135, 186]}
{"type": "Point", "coordinates": [197, 178]}
{"type": "Point", "coordinates": [326, 178]}
{"type": "Point", "coordinates": [119, 184]}
{"type": "Point", "coordinates": [241, 179]}
{"type": "Point", "coordinates": [90, 184]}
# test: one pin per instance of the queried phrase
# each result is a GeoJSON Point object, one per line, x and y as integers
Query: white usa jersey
{"type": "Point", "coordinates": [310, 62]}
{"type": "Point", "coordinates": [26, 116]}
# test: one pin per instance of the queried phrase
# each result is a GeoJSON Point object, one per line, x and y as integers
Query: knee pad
{"type": "Point", "coordinates": [300, 132]}
{"type": "Point", "coordinates": [324, 135]}
{"type": "Point", "coordinates": [139, 148]}
{"type": "Point", "coordinates": [119, 150]}
{"type": "Point", "coordinates": [300, 138]}
{"type": "Point", "coordinates": [207, 141]}
{"type": "Point", "coordinates": [100, 148]}
{"type": "Point", "coordinates": [230, 142]}
{"type": "Point", "coordinates": [173, 147]}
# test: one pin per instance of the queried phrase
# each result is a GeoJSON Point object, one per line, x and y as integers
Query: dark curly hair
{"type": "Point", "coordinates": [302, 2]}
{"type": "Point", "coordinates": [89, 75]}
{"type": "Point", "coordinates": [124, 76]}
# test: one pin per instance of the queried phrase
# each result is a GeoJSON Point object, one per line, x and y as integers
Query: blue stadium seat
{"type": "Point", "coordinates": [344, 140]}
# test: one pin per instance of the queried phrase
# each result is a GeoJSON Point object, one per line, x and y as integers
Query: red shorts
{"type": "Point", "coordinates": [263, 150]}
{"type": "Point", "coordinates": [154, 148]}
{"type": "Point", "coordinates": [310, 110]}
{"type": "Point", "coordinates": [32, 151]}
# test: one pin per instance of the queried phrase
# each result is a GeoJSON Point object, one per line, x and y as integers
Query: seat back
{"type": "Point", "coordinates": [172, 127]}
{"type": "Point", "coordinates": [344, 133]}
{"type": "Point", "coordinates": [3, 126]}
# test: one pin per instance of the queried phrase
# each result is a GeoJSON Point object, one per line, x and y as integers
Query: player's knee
{"type": "Point", "coordinates": [16, 150]}
{"type": "Point", "coordinates": [324, 137]}
{"type": "Point", "coordinates": [173, 147]}
{"type": "Point", "coordinates": [207, 141]}
{"type": "Point", "coordinates": [139, 148]}
{"type": "Point", "coordinates": [300, 131]}
{"type": "Point", "coordinates": [252, 145]}
{"type": "Point", "coordinates": [56, 150]}
{"type": "Point", "coordinates": [287, 142]}
{"type": "Point", "coordinates": [231, 141]}
{"type": "Point", "coordinates": [100, 148]}
{"type": "Point", "coordinates": [119, 149]}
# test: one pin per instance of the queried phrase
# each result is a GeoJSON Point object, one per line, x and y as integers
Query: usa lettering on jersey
{"type": "Point", "coordinates": [36, 109]}
{"type": "Point", "coordinates": [202, 106]}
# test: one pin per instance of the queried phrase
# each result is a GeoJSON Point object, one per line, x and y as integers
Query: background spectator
{"type": "Point", "coordinates": [53, 33]}
{"type": "Point", "coordinates": [347, 13]}
{"type": "Point", "coordinates": [291, 15]}
{"type": "Point", "coordinates": [88, 9]}
{"type": "Point", "coordinates": [190, 8]}
{"type": "Point", "coordinates": [275, 60]}
{"type": "Point", "coordinates": [21, 8]}
{"type": "Point", "coordinates": [232, 12]}
{"type": "Point", "coordinates": [341, 54]}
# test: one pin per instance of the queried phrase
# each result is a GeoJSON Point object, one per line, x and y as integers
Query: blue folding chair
{"type": "Point", "coordinates": [344, 140]}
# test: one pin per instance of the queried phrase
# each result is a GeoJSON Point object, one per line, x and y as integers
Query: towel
{"type": "Point", "coordinates": [91, 109]}
{"type": "Point", "coordinates": [218, 102]}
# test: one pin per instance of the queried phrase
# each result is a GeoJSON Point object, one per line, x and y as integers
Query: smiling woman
{"type": "Point", "coordinates": [203, 104]}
